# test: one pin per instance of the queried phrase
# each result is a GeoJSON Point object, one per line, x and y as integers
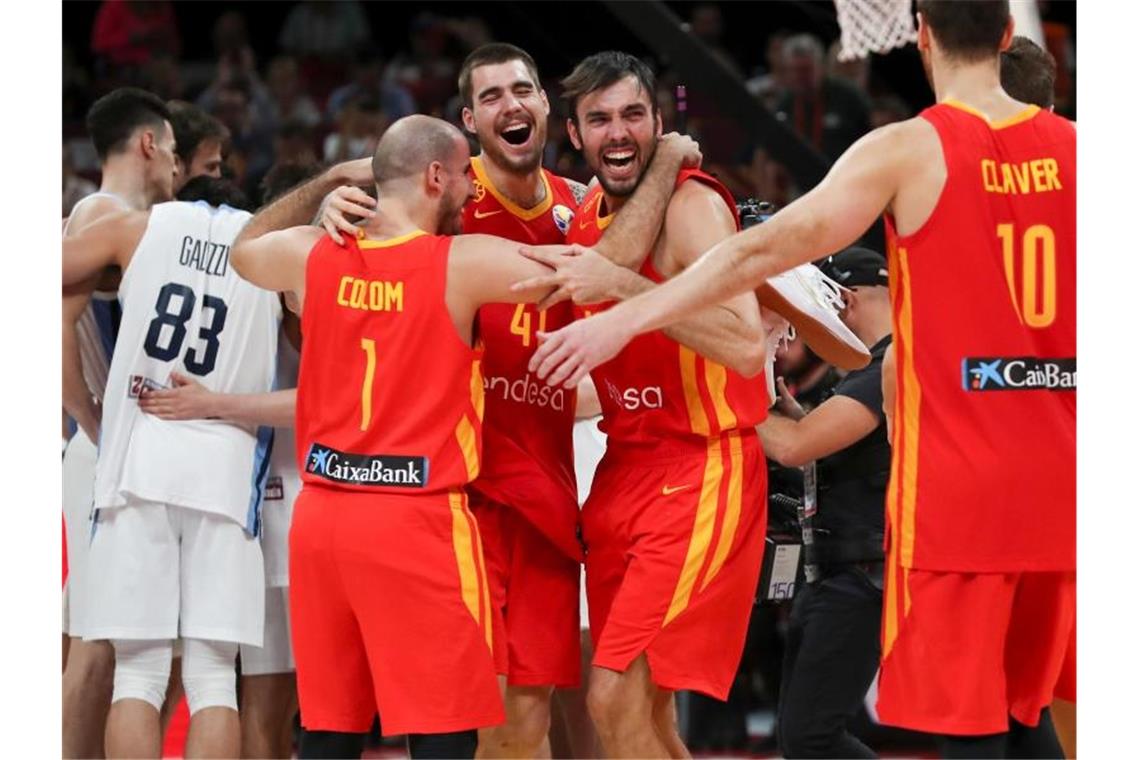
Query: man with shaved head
{"type": "Point", "coordinates": [389, 598]}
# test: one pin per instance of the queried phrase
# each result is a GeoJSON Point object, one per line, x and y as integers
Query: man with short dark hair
{"type": "Point", "coordinates": [980, 195]}
{"type": "Point", "coordinates": [200, 139]}
{"type": "Point", "coordinates": [131, 131]}
{"type": "Point", "coordinates": [1028, 72]}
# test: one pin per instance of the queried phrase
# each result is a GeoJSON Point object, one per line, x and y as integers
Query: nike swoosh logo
{"type": "Point", "coordinates": [667, 490]}
{"type": "Point", "coordinates": [479, 215]}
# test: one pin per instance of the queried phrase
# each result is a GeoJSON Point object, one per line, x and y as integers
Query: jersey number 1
{"type": "Point", "coordinates": [369, 347]}
{"type": "Point", "coordinates": [1036, 304]}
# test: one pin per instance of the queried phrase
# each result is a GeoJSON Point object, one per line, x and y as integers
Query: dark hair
{"type": "Point", "coordinates": [216, 192]}
{"type": "Point", "coordinates": [1028, 72]}
{"type": "Point", "coordinates": [113, 118]}
{"type": "Point", "coordinates": [602, 70]}
{"type": "Point", "coordinates": [968, 31]}
{"type": "Point", "coordinates": [193, 126]}
{"type": "Point", "coordinates": [488, 55]}
{"type": "Point", "coordinates": [284, 177]}
{"type": "Point", "coordinates": [294, 129]}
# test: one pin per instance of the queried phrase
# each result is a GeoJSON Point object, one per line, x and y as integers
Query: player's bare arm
{"type": "Point", "coordinates": [187, 399]}
{"type": "Point", "coordinates": [730, 333]}
{"type": "Point", "coordinates": [78, 402]}
{"type": "Point", "coordinates": [110, 241]}
{"type": "Point", "coordinates": [860, 186]}
{"type": "Point", "coordinates": [836, 424]}
{"type": "Point", "coordinates": [272, 249]}
{"type": "Point", "coordinates": [628, 239]}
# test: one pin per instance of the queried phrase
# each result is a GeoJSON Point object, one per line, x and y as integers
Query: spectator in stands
{"type": "Point", "coordinates": [288, 99]}
{"type": "Point", "coordinates": [429, 70]}
{"type": "Point", "coordinates": [768, 85]}
{"type": "Point", "coordinates": [163, 76]}
{"type": "Point", "coordinates": [250, 137]}
{"type": "Point", "coordinates": [857, 71]}
{"type": "Point", "coordinates": [130, 33]}
{"type": "Point", "coordinates": [199, 140]}
{"type": "Point", "coordinates": [362, 122]}
{"type": "Point", "coordinates": [707, 24]}
{"type": "Point", "coordinates": [368, 81]}
{"type": "Point", "coordinates": [293, 144]}
{"type": "Point", "coordinates": [237, 70]}
{"type": "Point", "coordinates": [325, 30]}
{"type": "Point", "coordinates": [828, 113]}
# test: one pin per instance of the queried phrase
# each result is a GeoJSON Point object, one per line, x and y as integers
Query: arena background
{"type": "Point", "coordinates": [193, 46]}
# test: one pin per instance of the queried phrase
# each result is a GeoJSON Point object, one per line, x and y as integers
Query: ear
{"type": "Point", "coordinates": [1007, 35]}
{"type": "Point", "coordinates": [434, 178]}
{"type": "Point", "coordinates": [179, 165]}
{"type": "Point", "coordinates": [545, 102]}
{"type": "Point", "coordinates": [148, 143]}
{"type": "Point", "coordinates": [660, 130]}
{"type": "Point", "coordinates": [468, 117]}
{"type": "Point", "coordinates": [572, 131]}
{"type": "Point", "coordinates": [923, 34]}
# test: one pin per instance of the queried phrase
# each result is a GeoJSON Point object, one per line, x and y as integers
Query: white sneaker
{"type": "Point", "coordinates": [811, 302]}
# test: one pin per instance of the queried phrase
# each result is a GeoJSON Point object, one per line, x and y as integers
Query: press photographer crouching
{"type": "Point", "coordinates": [832, 650]}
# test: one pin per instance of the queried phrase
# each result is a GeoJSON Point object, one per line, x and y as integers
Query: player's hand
{"type": "Point", "coordinates": [580, 274]}
{"type": "Point", "coordinates": [681, 148]}
{"type": "Point", "coordinates": [787, 404]}
{"type": "Point", "coordinates": [186, 400]}
{"type": "Point", "coordinates": [566, 356]}
{"type": "Point", "coordinates": [339, 205]}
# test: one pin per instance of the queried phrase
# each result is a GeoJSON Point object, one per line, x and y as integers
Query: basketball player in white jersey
{"type": "Point", "coordinates": [175, 553]}
{"type": "Point", "coordinates": [132, 135]}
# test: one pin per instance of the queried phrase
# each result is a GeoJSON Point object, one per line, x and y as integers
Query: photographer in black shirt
{"type": "Point", "coordinates": [832, 649]}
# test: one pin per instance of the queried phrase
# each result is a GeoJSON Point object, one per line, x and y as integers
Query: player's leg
{"type": "Point", "coordinates": [268, 685]}
{"type": "Point", "coordinates": [210, 681]}
{"type": "Point", "coordinates": [444, 746]}
{"type": "Point", "coordinates": [223, 598]}
{"type": "Point", "coordinates": [142, 670]}
{"type": "Point", "coordinates": [87, 683]}
{"type": "Point", "coordinates": [572, 733]}
{"type": "Point", "coordinates": [1065, 724]}
{"type": "Point", "coordinates": [622, 708]}
{"type": "Point", "coordinates": [665, 720]}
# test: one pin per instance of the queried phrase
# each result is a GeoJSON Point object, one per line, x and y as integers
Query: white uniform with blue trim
{"type": "Point", "coordinates": [95, 332]}
{"type": "Point", "coordinates": [175, 550]}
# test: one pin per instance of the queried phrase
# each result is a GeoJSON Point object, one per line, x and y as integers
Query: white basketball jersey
{"type": "Point", "coordinates": [96, 327]}
{"type": "Point", "coordinates": [186, 310]}
{"type": "Point", "coordinates": [284, 481]}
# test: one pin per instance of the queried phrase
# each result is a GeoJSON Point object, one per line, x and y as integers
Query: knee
{"type": "Point", "coordinates": [209, 677]}
{"type": "Point", "coordinates": [533, 725]}
{"type": "Point", "coordinates": [90, 663]}
{"type": "Point", "coordinates": [142, 670]}
{"type": "Point", "coordinates": [604, 703]}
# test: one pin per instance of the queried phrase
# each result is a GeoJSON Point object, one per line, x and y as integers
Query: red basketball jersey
{"type": "Point", "coordinates": [658, 396]}
{"type": "Point", "coordinates": [528, 428]}
{"type": "Point", "coordinates": [984, 299]}
{"type": "Point", "coordinates": [389, 395]}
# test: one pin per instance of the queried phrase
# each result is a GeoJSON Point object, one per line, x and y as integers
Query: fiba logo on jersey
{"type": "Point", "coordinates": [563, 216]}
{"type": "Point", "coordinates": [633, 399]}
{"type": "Point", "coordinates": [1018, 374]}
{"type": "Point", "coordinates": [480, 191]}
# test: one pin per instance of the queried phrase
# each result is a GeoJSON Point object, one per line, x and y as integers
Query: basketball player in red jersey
{"type": "Point", "coordinates": [525, 497]}
{"type": "Point", "coordinates": [362, 553]}
{"type": "Point", "coordinates": [980, 195]}
{"type": "Point", "coordinates": [674, 525]}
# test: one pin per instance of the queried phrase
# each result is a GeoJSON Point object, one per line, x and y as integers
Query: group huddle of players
{"type": "Point", "coordinates": [384, 495]}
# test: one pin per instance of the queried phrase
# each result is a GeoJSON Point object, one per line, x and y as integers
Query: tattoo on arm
{"type": "Point", "coordinates": [579, 191]}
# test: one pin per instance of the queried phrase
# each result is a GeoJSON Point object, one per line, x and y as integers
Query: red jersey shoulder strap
{"type": "Point", "coordinates": [708, 179]}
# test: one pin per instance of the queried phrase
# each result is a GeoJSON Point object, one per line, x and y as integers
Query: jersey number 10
{"type": "Point", "coordinates": [199, 362]}
{"type": "Point", "coordinates": [1036, 303]}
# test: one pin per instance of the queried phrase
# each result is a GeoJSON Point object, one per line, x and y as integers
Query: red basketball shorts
{"type": "Point", "coordinates": [1067, 683]}
{"type": "Point", "coordinates": [962, 652]}
{"type": "Point", "coordinates": [390, 612]}
{"type": "Point", "coordinates": [534, 596]}
{"type": "Point", "coordinates": [673, 553]}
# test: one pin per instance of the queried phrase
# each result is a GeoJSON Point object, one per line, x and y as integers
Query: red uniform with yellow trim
{"type": "Point", "coordinates": [981, 508]}
{"type": "Point", "coordinates": [674, 524]}
{"type": "Point", "coordinates": [525, 497]}
{"type": "Point", "coordinates": [389, 598]}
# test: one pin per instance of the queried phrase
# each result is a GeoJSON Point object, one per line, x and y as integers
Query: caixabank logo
{"type": "Point", "coordinates": [1025, 373]}
{"type": "Point", "coordinates": [366, 469]}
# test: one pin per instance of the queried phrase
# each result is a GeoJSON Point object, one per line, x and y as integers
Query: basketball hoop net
{"type": "Point", "coordinates": [873, 26]}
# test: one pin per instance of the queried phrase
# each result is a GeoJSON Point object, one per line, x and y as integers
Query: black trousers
{"type": "Point", "coordinates": [830, 659]}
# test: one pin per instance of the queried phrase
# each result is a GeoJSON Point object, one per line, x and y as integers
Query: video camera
{"type": "Point", "coordinates": [753, 212]}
